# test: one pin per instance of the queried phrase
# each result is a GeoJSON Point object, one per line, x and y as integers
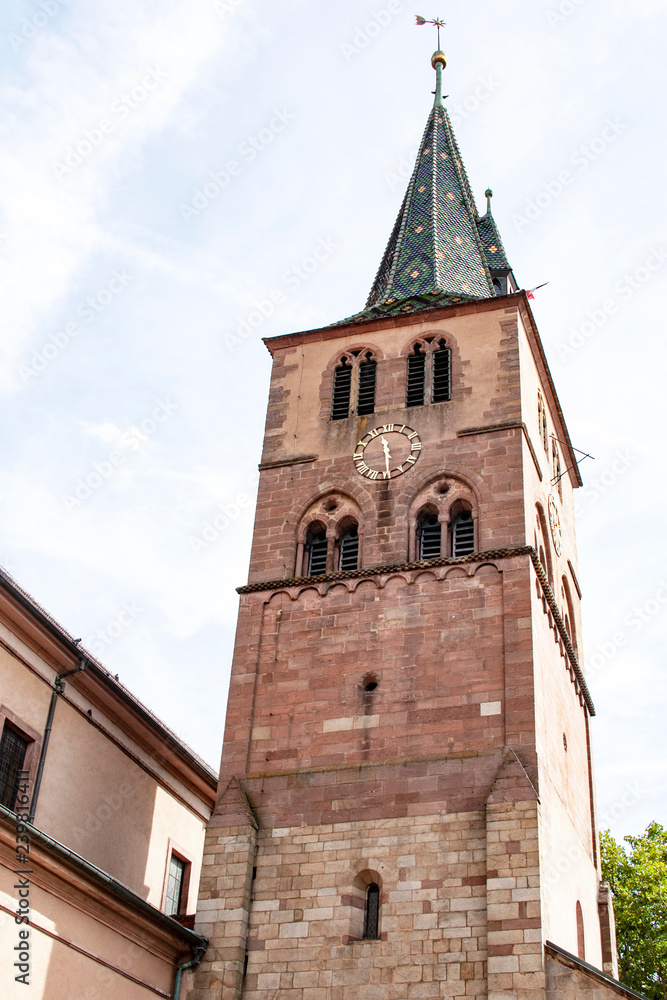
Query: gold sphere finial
{"type": "Point", "coordinates": [439, 57]}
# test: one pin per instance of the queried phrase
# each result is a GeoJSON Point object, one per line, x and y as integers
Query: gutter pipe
{"type": "Point", "coordinates": [59, 687]}
{"type": "Point", "coordinates": [198, 952]}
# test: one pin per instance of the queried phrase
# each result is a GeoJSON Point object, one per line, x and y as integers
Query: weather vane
{"type": "Point", "coordinates": [437, 22]}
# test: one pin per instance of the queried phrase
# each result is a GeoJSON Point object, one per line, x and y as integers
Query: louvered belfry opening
{"type": "Point", "coordinates": [349, 550]}
{"type": "Point", "coordinates": [372, 913]}
{"type": "Point", "coordinates": [416, 387]}
{"type": "Point", "coordinates": [430, 536]}
{"type": "Point", "coordinates": [316, 544]}
{"type": "Point", "coordinates": [342, 388]}
{"type": "Point", "coordinates": [367, 380]}
{"type": "Point", "coordinates": [463, 535]}
{"type": "Point", "coordinates": [442, 374]}
{"type": "Point", "coordinates": [12, 758]}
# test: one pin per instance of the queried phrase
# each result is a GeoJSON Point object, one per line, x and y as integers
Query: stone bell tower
{"type": "Point", "coordinates": [406, 804]}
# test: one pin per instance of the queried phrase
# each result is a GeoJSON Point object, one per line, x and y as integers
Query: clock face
{"type": "Point", "coordinates": [387, 452]}
{"type": "Point", "coordinates": [554, 522]}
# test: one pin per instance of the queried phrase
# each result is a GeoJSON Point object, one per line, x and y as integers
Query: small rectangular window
{"type": "Point", "coordinates": [13, 749]}
{"type": "Point", "coordinates": [175, 880]}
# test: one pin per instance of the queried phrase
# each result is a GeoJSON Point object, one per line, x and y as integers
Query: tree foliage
{"type": "Point", "coordinates": [638, 878]}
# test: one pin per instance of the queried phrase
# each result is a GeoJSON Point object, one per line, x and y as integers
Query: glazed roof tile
{"type": "Point", "coordinates": [440, 251]}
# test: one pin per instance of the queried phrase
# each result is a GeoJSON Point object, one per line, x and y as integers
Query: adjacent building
{"type": "Point", "coordinates": [102, 819]}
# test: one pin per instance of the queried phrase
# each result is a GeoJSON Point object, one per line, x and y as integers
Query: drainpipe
{"type": "Point", "coordinates": [198, 952]}
{"type": "Point", "coordinates": [59, 687]}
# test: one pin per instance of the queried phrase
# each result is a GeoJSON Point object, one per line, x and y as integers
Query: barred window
{"type": "Point", "coordinates": [367, 380]}
{"type": "Point", "coordinates": [349, 550]}
{"type": "Point", "coordinates": [13, 749]}
{"type": "Point", "coordinates": [372, 913]}
{"type": "Point", "coordinates": [430, 536]}
{"type": "Point", "coordinates": [416, 384]}
{"type": "Point", "coordinates": [463, 535]}
{"type": "Point", "coordinates": [316, 547]}
{"type": "Point", "coordinates": [442, 374]}
{"type": "Point", "coordinates": [340, 406]}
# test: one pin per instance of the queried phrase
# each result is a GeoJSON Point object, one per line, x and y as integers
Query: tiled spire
{"type": "Point", "coordinates": [441, 251]}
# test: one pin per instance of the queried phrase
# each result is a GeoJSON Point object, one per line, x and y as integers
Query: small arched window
{"type": "Point", "coordinates": [542, 420]}
{"type": "Point", "coordinates": [442, 373]}
{"type": "Point", "coordinates": [416, 385]}
{"type": "Point", "coordinates": [367, 380]}
{"type": "Point", "coordinates": [342, 389]}
{"type": "Point", "coordinates": [429, 536]}
{"type": "Point", "coordinates": [581, 940]}
{"type": "Point", "coordinates": [557, 474]}
{"type": "Point", "coordinates": [372, 913]}
{"type": "Point", "coordinates": [316, 550]}
{"type": "Point", "coordinates": [348, 559]}
{"type": "Point", "coordinates": [463, 534]}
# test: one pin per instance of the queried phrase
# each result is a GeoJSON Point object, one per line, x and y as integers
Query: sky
{"type": "Point", "coordinates": [168, 170]}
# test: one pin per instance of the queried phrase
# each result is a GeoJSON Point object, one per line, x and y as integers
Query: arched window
{"type": "Point", "coordinates": [442, 373]}
{"type": "Point", "coordinates": [429, 376]}
{"type": "Point", "coordinates": [542, 421]}
{"type": "Point", "coordinates": [557, 474]}
{"type": "Point", "coordinates": [348, 559]}
{"type": "Point", "coordinates": [429, 535]}
{"type": "Point", "coordinates": [342, 389]}
{"type": "Point", "coordinates": [367, 380]}
{"type": "Point", "coordinates": [569, 617]}
{"type": "Point", "coordinates": [316, 550]}
{"type": "Point", "coordinates": [581, 940]}
{"type": "Point", "coordinates": [416, 384]}
{"type": "Point", "coordinates": [372, 913]}
{"type": "Point", "coordinates": [463, 534]}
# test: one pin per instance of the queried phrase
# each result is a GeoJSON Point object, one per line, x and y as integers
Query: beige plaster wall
{"type": "Point", "coordinates": [59, 971]}
{"type": "Point", "coordinates": [96, 797]}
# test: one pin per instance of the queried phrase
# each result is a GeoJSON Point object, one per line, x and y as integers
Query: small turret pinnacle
{"type": "Point", "coordinates": [488, 194]}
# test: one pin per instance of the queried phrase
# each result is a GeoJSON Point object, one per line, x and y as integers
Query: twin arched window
{"type": "Point", "coordinates": [460, 534]}
{"type": "Point", "coordinates": [429, 377]}
{"type": "Point", "coordinates": [354, 385]}
{"type": "Point", "coordinates": [344, 550]}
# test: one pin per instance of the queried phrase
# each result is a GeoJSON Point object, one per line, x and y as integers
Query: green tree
{"type": "Point", "coordinates": [638, 878]}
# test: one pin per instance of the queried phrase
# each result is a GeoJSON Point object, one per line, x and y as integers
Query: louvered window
{"type": "Point", "coordinates": [367, 379]}
{"type": "Point", "coordinates": [372, 913]}
{"type": "Point", "coordinates": [430, 537]}
{"type": "Point", "coordinates": [174, 886]}
{"type": "Point", "coordinates": [463, 535]}
{"type": "Point", "coordinates": [349, 550]}
{"type": "Point", "coordinates": [558, 477]}
{"type": "Point", "coordinates": [12, 758]}
{"type": "Point", "coordinates": [340, 406]}
{"type": "Point", "coordinates": [442, 374]}
{"type": "Point", "coordinates": [317, 552]}
{"type": "Point", "coordinates": [416, 378]}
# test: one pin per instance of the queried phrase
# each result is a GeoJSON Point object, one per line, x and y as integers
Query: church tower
{"type": "Point", "coordinates": [406, 805]}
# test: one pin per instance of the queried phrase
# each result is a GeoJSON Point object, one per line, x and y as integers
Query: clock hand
{"type": "Point", "coordinates": [387, 453]}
